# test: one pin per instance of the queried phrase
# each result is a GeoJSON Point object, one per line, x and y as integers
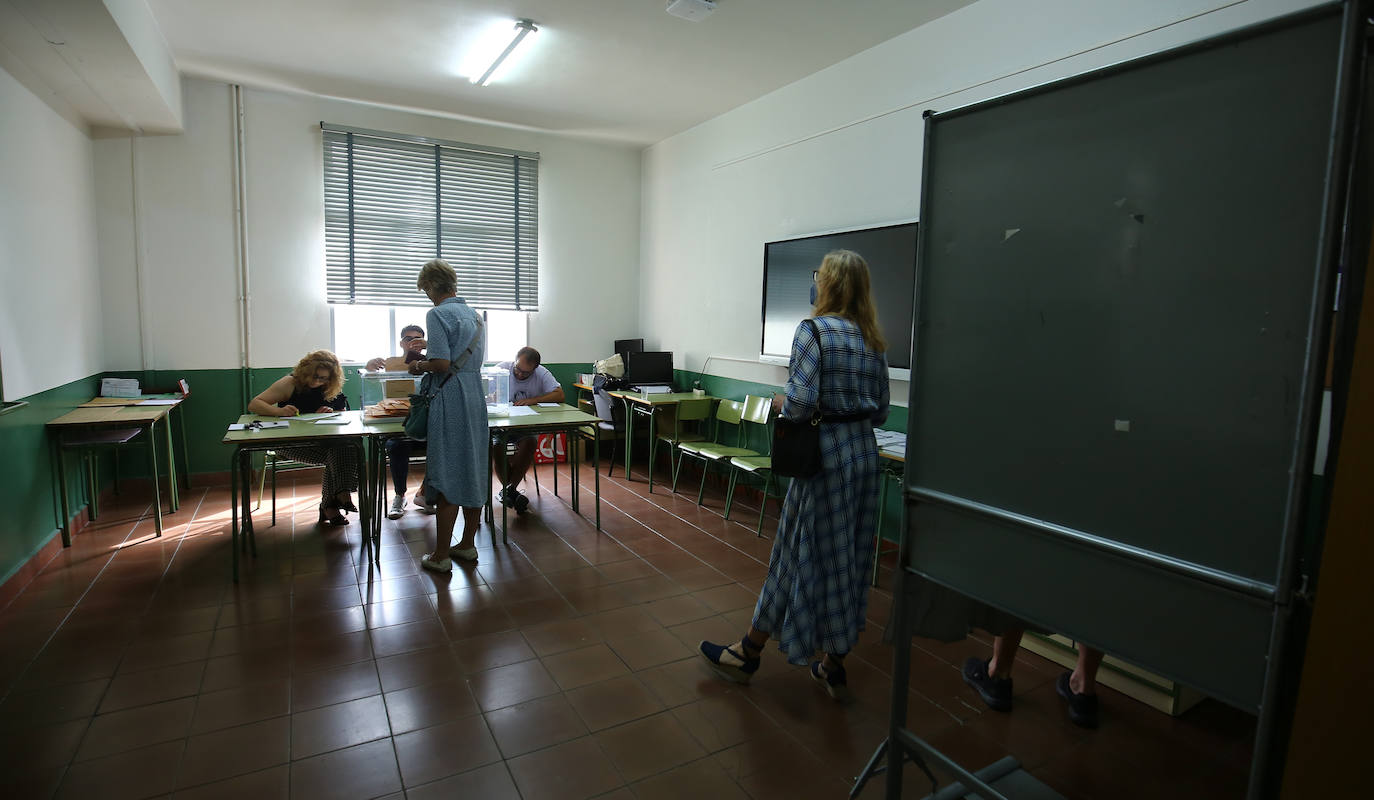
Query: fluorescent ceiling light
{"type": "Point", "coordinates": [523, 28]}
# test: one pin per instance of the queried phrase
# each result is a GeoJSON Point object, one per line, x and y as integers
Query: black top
{"type": "Point", "coordinates": [308, 401]}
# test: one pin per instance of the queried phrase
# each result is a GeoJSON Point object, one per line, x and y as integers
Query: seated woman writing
{"type": "Point", "coordinates": [316, 386]}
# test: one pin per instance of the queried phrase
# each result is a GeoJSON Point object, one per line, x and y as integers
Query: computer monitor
{"type": "Point", "coordinates": [624, 346]}
{"type": "Point", "coordinates": [649, 367]}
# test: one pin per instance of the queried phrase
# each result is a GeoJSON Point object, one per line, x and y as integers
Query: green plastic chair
{"type": "Point", "coordinates": [695, 412]}
{"type": "Point", "coordinates": [754, 410]}
{"type": "Point", "coordinates": [757, 411]}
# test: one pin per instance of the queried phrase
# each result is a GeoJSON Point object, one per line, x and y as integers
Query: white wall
{"type": "Point", "coordinates": [842, 148]}
{"type": "Point", "coordinates": [589, 231]}
{"type": "Point", "coordinates": [49, 279]}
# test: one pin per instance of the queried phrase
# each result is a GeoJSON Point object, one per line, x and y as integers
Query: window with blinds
{"type": "Point", "coordinates": [393, 202]}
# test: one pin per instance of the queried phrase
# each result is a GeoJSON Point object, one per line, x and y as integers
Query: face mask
{"type": "Point", "coordinates": [813, 293]}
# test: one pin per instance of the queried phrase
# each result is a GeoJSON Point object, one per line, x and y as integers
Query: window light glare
{"type": "Point", "coordinates": [497, 48]}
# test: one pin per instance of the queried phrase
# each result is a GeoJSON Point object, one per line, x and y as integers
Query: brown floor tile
{"type": "Point", "coordinates": [560, 635]}
{"type": "Point", "coordinates": [341, 725]}
{"type": "Point", "coordinates": [682, 682]}
{"type": "Point", "coordinates": [676, 610]}
{"type": "Point", "coordinates": [727, 598]}
{"type": "Point", "coordinates": [432, 753]}
{"type": "Point", "coordinates": [526, 727]}
{"type": "Point", "coordinates": [337, 685]}
{"type": "Point", "coordinates": [235, 751]}
{"type": "Point", "coordinates": [241, 705]}
{"type": "Point", "coordinates": [492, 782]}
{"type": "Point", "coordinates": [511, 684]}
{"type": "Point", "coordinates": [721, 722]}
{"type": "Point", "coordinates": [570, 771]}
{"type": "Point", "coordinates": [227, 672]}
{"type": "Point", "coordinates": [592, 664]}
{"type": "Point", "coordinates": [493, 650]}
{"type": "Point", "coordinates": [648, 746]}
{"type": "Point", "coordinates": [368, 770]}
{"type": "Point", "coordinates": [331, 652]}
{"type": "Point", "coordinates": [133, 728]}
{"type": "Point", "coordinates": [46, 706]}
{"type": "Point", "coordinates": [430, 704]}
{"type": "Point", "coordinates": [138, 773]}
{"type": "Point", "coordinates": [268, 784]}
{"type": "Point", "coordinates": [649, 649]}
{"type": "Point", "coordinates": [416, 669]}
{"type": "Point", "coordinates": [32, 748]}
{"type": "Point", "coordinates": [154, 685]}
{"type": "Point", "coordinates": [161, 652]}
{"type": "Point", "coordinates": [703, 778]}
{"type": "Point", "coordinates": [622, 621]}
{"type": "Point", "coordinates": [407, 637]}
{"type": "Point", "coordinates": [395, 612]}
{"type": "Point", "coordinates": [618, 700]}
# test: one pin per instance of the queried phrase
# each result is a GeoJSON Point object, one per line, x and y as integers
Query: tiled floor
{"type": "Point", "coordinates": [561, 666]}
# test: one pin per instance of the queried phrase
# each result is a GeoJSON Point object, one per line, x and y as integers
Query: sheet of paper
{"type": "Point", "coordinates": [549, 405]}
{"type": "Point", "coordinates": [158, 402]}
{"type": "Point", "coordinates": [241, 426]}
{"type": "Point", "coordinates": [331, 421]}
{"type": "Point", "coordinates": [314, 417]}
{"type": "Point", "coordinates": [520, 411]}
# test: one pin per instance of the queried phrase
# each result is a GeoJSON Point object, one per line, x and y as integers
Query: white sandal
{"type": "Point", "coordinates": [441, 565]}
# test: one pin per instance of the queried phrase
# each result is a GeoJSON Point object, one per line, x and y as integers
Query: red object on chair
{"type": "Point", "coordinates": [551, 448]}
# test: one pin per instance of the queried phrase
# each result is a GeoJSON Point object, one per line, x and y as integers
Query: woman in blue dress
{"type": "Point", "coordinates": [816, 593]}
{"type": "Point", "coordinates": [455, 463]}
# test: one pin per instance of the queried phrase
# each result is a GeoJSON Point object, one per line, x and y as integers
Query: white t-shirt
{"type": "Point", "coordinates": [539, 383]}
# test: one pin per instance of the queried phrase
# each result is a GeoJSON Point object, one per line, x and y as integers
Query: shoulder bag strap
{"type": "Point", "coordinates": [820, 368]}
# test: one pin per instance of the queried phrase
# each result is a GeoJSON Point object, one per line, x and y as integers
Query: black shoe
{"type": "Point", "coordinates": [1082, 707]}
{"type": "Point", "coordinates": [996, 692]}
{"type": "Point", "coordinates": [511, 497]}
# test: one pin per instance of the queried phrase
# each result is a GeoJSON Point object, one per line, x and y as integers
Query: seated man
{"type": "Point", "coordinates": [398, 449]}
{"type": "Point", "coordinates": [530, 383]}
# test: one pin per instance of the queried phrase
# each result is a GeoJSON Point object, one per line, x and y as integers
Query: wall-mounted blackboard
{"type": "Point", "coordinates": [1117, 282]}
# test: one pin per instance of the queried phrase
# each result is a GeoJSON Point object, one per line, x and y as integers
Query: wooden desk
{"type": "Point", "coordinates": [144, 418]}
{"type": "Point", "coordinates": [649, 404]}
{"type": "Point", "coordinates": [353, 433]}
{"type": "Point", "coordinates": [177, 413]}
{"type": "Point", "coordinates": [560, 419]}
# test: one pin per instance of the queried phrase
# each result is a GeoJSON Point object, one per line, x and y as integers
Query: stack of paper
{"type": "Point", "coordinates": [119, 387]}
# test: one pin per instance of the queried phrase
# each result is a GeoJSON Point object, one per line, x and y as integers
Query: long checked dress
{"type": "Point", "coordinates": [816, 592]}
{"type": "Point", "coordinates": [456, 458]}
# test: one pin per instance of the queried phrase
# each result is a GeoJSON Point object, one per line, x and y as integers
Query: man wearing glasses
{"type": "Point", "coordinates": [530, 383]}
{"type": "Point", "coordinates": [398, 449]}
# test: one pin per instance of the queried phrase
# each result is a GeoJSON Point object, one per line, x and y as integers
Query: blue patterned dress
{"type": "Point", "coordinates": [816, 593]}
{"type": "Point", "coordinates": [456, 458]}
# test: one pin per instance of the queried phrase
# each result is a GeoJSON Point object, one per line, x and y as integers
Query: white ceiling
{"type": "Point", "coordinates": [623, 70]}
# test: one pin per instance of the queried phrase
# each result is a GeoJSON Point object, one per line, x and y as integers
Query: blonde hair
{"type": "Point", "coordinates": [437, 276]}
{"type": "Point", "coordinates": [307, 367]}
{"type": "Point", "coordinates": [843, 290]}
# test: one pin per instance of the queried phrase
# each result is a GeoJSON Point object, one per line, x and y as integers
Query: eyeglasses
{"type": "Point", "coordinates": [522, 373]}
{"type": "Point", "coordinates": [410, 338]}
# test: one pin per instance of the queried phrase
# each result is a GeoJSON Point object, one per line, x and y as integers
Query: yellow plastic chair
{"type": "Point", "coordinates": [692, 412]}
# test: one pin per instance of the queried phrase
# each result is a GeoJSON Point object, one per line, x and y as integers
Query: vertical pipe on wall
{"type": "Point", "coordinates": [140, 262]}
{"type": "Point", "coordinates": [241, 246]}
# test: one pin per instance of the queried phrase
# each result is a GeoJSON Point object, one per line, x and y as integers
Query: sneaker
{"type": "Point", "coordinates": [439, 565]}
{"type": "Point", "coordinates": [730, 661]}
{"type": "Point", "coordinates": [398, 507]}
{"type": "Point", "coordinates": [832, 681]}
{"type": "Point", "coordinates": [512, 497]}
{"type": "Point", "coordinates": [1082, 707]}
{"type": "Point", "coordinates": [996, 692]}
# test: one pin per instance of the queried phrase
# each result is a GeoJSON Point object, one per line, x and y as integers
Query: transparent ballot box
{"type": "Point", "coordinates": [496, 387]}
{"type": "Point", "coordinates": [379, 386]}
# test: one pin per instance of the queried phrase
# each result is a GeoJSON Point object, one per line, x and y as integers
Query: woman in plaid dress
{"type": "Point", "coordinates": [816, 592]}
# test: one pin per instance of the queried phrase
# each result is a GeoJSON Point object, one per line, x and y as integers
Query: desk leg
{"type": "Point", "coordinates": [653, 442]}
{"type": "Point", "coordinates": [62, 490]}
{"type": "Point", "coordinates": [152, 462]}
{"type": "Point", "coordinates": [234, 511]}
{"type": "Point", "coordinates": [185, 451]}
{"type": "Point", "coordinates": [555, 460]}
{"type": "Point", "coordinates": [572, 472]}
{"type": "Point", "coordinates": [171, 465]}
{"type": "Point", "coordinates": [491, 509]}
{"type": "Point", "coordinates": [878, 534]}
{"type": "Point", "coordinates": [596, 470]}
{"type": "Point", "coordinates": [505, 471]}
{"type": "Point", "coordinates": [629, 436]}
{"type": "Point", "coordinates": [246, 480]}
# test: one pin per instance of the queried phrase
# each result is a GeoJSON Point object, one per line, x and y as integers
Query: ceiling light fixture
{"type": "Point", "coordinates": [523, 28]}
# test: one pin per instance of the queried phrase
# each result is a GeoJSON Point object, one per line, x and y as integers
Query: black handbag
{"type": "Point", "coordinates": [797, 443]}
